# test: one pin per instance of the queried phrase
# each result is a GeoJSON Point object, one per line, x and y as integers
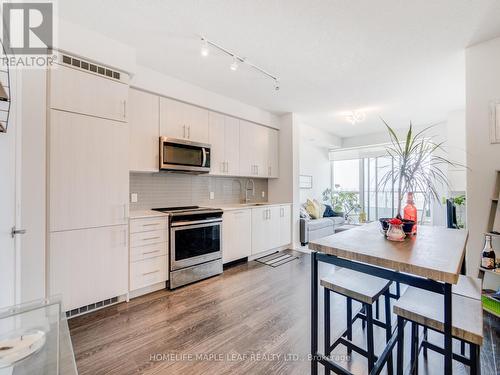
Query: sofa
{"type": "Point", "coordinates": [311, 229]}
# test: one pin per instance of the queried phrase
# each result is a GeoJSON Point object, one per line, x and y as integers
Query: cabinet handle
{"type": "Point", "coordinates": [269, 214]}
{"type": "Point", "coordinates": [227, 166]}
{"type": "Point", "coordinates": [125, 238]}
{"type": "Point", "coordinates": [189, 131]}
{"type": "Point", "coordinates": [150, 225]}
{"type": "Point", "coordinates": [151, 238]}
{"type": "Point", "coordinates": [222, 167]}
{"type": "Point", "coordinates": [124, 109]}
{"type": "Point", "coordinates": [125, 216]}
{"type": "Point", "coordinates": [150, 252]}
{"type": "Point", "coordinates": [269, 171]}
{"type": "Point", "coordinates": [149, 273]}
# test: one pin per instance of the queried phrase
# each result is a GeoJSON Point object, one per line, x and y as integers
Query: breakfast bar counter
{"type": "Point", "coordinates": [431, 260]}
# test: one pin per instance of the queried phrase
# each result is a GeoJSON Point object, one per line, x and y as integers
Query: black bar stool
{"type": "Point", "coordinates": [365, 289]}
{"type": "Point", "coordinates": [423, 308]}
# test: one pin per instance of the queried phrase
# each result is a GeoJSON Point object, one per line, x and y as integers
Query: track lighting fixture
{"type": "Point", "coordinates": [237, 60]}
{"type": "Point", "coordinates": [204, 51]}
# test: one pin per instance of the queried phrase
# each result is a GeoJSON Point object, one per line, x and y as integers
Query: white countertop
{"type": "Point", "coordinates": [142, 214]}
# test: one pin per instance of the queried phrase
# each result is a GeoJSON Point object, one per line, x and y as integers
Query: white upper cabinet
{"type": "Point", "coordinates": [273, 153]}
{"type": "Point", "coordinates": [89, 171]}
{"type": "Point", "coordinates": [224, 137]}
{"type": "Point", "coordinates": [183, 121]}
{"type": "Point", "coordinates": [81, 92]}
{"type": "Point", "coordinates": [144, 125]}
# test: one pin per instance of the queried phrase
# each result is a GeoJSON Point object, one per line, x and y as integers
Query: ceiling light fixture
{"type": "Point", "coordinates": [205, 50]}
{"type": "Point", "coordinates": [234, 65]}
{"type": "Point", "coordinates": [237, 60]}
{"type": "Point", "coordinates": [355, 116]}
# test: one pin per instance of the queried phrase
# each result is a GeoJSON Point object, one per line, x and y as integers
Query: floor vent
{"type": "Point", "coordinates": [92, 306]}
{"type": "Point", "coordinates": [85, 65]}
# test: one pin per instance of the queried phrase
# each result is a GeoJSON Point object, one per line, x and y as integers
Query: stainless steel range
{"type": "Point", "coordinates": [195, 243]}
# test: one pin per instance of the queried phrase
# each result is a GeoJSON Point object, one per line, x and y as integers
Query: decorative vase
{"type": "Point", "coordinates": [395, 232]}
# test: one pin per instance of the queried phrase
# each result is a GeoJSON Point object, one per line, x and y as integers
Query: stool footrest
{"type": "Point", "coordinates": [457, 357]}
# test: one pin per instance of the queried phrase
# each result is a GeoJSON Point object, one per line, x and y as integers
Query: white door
{"type": "Point", "coordinates": [216, 137]}
{"type": "Point", "coordinates": [274, 227]}
{"type": "Point", "coordinates": [8, 216]}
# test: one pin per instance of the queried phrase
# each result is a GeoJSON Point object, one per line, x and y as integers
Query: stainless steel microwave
{"type": "Point", "coordinates": [179, 155]}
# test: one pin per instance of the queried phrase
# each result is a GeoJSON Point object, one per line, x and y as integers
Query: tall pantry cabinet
{"type": "Point", "coordinates": [88, 177]}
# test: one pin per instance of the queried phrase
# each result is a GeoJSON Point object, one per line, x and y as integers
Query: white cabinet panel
{"type": "Point", "coordinates": [236, 235]}
{"type": "Point", "coordinates": [232, 145]}
{"type": "Point", "coordinates": [249, 140]}
{"type": "Point", "coordinates": [89, 265]}
{"type": "Point", "coordinates": [144, 125]}
{"type": "Point", "coordinates": [77, 91]}
{"type": "Point", "coordinates": [216, 133]}
{"type": "Point", "coordinates": [148, 224]}
{"type": "Point", "coordinates": [148, 238]}
{"type": "Point", "coordinates": [148, 251]}
{"type": "Point", "coordinates": [183, 121]}
{"type": "Point", "coordinates": [148, 272]}
{"type": "Point", "coordinates": [285, 225]}
{"type": "Point", "coordinates": [224, 137]}
{"type": "Point", "coordinates": [265, 228]}
{"type": "Point", "coordinates": [88, 173]}
{"type": "Point", "coordinates": [272, 153]}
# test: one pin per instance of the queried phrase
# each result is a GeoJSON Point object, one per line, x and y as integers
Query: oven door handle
{"type": "Point", "coordinates": [204, 151]}
{"type": "Point", "coordinates": [188, 223]}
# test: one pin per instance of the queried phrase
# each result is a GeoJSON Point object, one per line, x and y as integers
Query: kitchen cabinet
{"type": "Point", "coordinates": [144, 125]}
{"type": "Point", "coordinates": [88, 171]}
{"type": "Point", "coordinates": [253, 150]}
{"type": "Point", "coordinates": [259, 148]}
{"type": "Point", "coordinates": [148, 252]}
{"type": "Point", "coordinates": [236, 235]}
{"type": "Point", "coordinates": [183, 121]}
{"type": "Point", "coordinates": [272, 153]}
{"type": "Point", "coordinates": [285, 225]}
{"type": "Point", "coordinates": [224, 137]}
{"type": "Point", "coordinates": [265, 228]}
{"type": "Point", "coordinates": [81, 92]}
{"type": "Point", "coordinates": [89, 265]}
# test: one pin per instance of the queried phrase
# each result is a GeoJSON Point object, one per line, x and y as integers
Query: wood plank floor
{"type": "Point", "coordinates": [253, 319]}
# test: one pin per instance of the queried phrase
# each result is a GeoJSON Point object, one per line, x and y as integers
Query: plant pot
{"type": "Point", "coordinates": [408, 226]}
{"type": "Point", "coordinates": [384, 222]}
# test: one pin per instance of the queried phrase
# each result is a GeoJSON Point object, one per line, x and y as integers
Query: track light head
{"type": "Point", "coordinates": [276, 84]}
{"type": "Point", "coordinates": [204, 51]}
{"type": "Point", "coordinates": [234, 65]}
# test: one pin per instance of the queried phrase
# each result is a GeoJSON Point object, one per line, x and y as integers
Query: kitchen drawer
{"type": "Point", "coordinates": [148, 272]}
{"type": "Point", "coordinates": [148, 251]}
{"type": "Point", "coordinates": [148, 238]}
{"type": "Point", "coordinates": [149, 224]}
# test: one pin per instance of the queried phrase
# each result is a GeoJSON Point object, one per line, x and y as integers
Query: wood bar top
{"type": "Point", "coordinates": [435, 252]}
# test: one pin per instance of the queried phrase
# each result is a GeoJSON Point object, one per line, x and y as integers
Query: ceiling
{"type": "Point", "coordinates": [401, 60]}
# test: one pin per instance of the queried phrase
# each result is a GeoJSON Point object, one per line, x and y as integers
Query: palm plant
{"type": "Point", "coordinates": [418, 165]}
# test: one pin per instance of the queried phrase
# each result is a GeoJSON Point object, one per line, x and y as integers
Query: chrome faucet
{"type": "Point", "coordinates": [251, 189]}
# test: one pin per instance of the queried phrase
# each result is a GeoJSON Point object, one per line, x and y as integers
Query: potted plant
{"type": "Point", "coordinates": [418, 165]}
{"type": "Point", "coordinates": [343, 203]}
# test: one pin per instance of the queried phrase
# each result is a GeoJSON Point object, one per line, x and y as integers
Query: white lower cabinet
{"type": "Point", "coordinates": [148, 252]}
{"type": "Point", "coordinates": [265, 228]}
{"type": "Point", "coordinates": [236, 235]}
{"type": "Point", "coordinates": [88, 265]}
{"type": "Point", "coordinates": [285, 225]}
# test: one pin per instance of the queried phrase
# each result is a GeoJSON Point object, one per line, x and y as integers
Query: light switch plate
{"type": "Point", "coordinates": [263, 194]}
{"type": "Point", "coordinates": [212, 195]}
{"type": "Point", "coordinates": [133, 198]}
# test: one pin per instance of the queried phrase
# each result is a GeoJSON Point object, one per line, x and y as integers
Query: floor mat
{"type": "Point", "coordinates": [277, 259]}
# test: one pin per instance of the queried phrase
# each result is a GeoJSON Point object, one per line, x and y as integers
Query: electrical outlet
{"type": "Point", "coordinates": [212, 195]}
{"type": "Point", "coordinates": [263, 194]}
{"type": "Point", "coordinates": [133, 198]}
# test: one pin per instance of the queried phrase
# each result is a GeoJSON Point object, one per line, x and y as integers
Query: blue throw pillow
{"type": "Point", "coordinates": [328, 211]}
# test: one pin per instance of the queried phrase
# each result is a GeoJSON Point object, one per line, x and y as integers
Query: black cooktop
{"type": "Point", "coordinates": [180, 208]}
{"type": "Point", "coordinates": [189, 210]}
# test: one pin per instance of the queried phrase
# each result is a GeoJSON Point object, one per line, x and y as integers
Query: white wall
{"type": "Point", "coordinates": [314, 162]}
{"type": "Point", "coordinates": [285, 189]}
{"type": "Point", "coordinates": [483, 158]}
{"type": "Point", "coordinates": [158, 83]}
{"type": "Point", "coordinates": [455, 147]}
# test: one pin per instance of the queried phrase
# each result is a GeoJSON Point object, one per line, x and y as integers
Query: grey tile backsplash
{"type": "Point", "coordinates": [171, 189]}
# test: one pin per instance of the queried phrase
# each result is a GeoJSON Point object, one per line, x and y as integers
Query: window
{"type": "Point", "coordinates": [361, 171]}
